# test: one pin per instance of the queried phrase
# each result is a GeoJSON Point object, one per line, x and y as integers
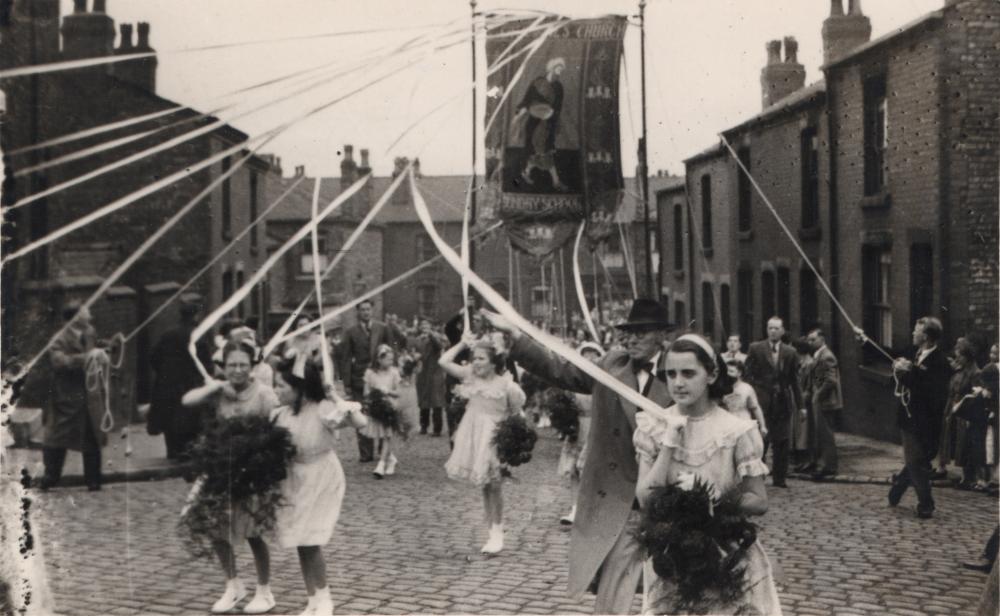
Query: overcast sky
{"type": "Point", "coordinates": [703, 69]}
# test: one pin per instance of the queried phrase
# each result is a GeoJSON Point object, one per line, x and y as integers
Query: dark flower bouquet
{"type": "Point", "coordinates": [514, 440]}
{"type": "Point", "coordinates": [240, 463]}
{"type": "Point", "coordinates": [697, 542]}
{"type": "Point", "coordinates": [380, 408]}
{"type": "Point", "coordinates": [456, 409]}
{"type": "Point", "coordinates": [564, 413]}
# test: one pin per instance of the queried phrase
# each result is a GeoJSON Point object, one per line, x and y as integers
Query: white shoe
{"type": "Point", "coordinates": [324, 603]}
{"type": "Point", "coordinates": [263, 601]}
{"type": "Point", "coordinates": [495, 542]}
{"type": "Point", "coordinates": [390, 468]}
{"type": "Point", "coordinates": [310, 607]}
{"type": "Point", "coordinates": [567, 520]}
{"type": "Point", "coordinates": [379, 470]}
{"type": "Point", "coordinates": [235, 592]}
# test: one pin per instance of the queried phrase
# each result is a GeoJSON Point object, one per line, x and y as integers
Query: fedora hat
{"type": "Point", "coordinates": [646, 314]}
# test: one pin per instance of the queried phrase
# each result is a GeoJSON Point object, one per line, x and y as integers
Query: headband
{"type": "Point", "coordinates": [701, 342]}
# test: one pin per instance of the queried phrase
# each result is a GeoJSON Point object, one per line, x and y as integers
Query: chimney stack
{"type": "Point", "coordinates": [141, 71]}
{"type": "Point", "coordinates": [100, 6]}
{"type": "Point", "coordinates": [779, 79]}
{"type": "Point", "coordinates": [348, 168]}
{"type": "Point", "coordinates": [399, 163]}
{"type": "Point", "coordinates": [843, 33]}
{"type": "Point", "coordinates": [416, 168]}
{"type": "Point", "coordinates": [88, 35]}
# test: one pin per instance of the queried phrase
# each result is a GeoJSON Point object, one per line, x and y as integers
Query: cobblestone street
{"type": "Point", "coordinates": [411, 543]}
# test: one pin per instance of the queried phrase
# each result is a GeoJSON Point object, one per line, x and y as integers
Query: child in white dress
{"type": "Point", "coordinates": [383, 375]}
{"type": "Point", "coordinates": [314, 489]}
{"type": "Point", "coordinates": [492, 396]}
{"type": "Point", "coordinates": [743, 401]}
{"type": "Point", "coordinates": [696, 437]}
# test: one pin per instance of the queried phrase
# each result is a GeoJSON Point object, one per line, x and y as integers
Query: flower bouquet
{"type": "Point", "coordinates": [240, 463]}
{"type": "Point", "coordinates": [456, 410]}
{"type": "Point", "coordinates": [514, 440]}
{"type": "Point", "coordinates": [378, 407]}
{"type": "Point", "coordinates": [564, 413]}
{"type": "Point", "coordinates": [698, 543]}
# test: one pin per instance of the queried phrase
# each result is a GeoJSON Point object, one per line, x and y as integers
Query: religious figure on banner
{"type": "Point", "coordinates": [538, 117]}
{"type": "Point", "coordinates": [553, 157]}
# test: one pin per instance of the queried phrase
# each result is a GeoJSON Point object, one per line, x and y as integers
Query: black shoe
{"type": "Point", "coordinates": [779, 484]}
{"type": "Point", "coordinates": [94, 487]}
{"type": "Point", "coordinates": [423, 430]}
{"type": "Point", "coordinates": [938, 474]}
{"type": "Point", "coordinates": [807, 467]}
{"type": "Point", "coordinates": [925, 513]}
{"type": "Point", "coordinates": [45, 484]}
{"type": "Point", "coordinates": [436, 434]}
{"type": "Point", "coordinates": [822, 474]}
{"type": "Point", "coordinates": [982, 565]}
{"type": "Point", "coordinates": [365, 460]}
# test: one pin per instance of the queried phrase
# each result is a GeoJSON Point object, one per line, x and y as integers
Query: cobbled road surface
{"type": "Point", "coordinates": [410, 544]}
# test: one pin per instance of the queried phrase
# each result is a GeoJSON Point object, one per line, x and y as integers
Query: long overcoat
{"type": "Point", "coordinates": [607, 483]}
{"type": "Point", "coordinates": [69, 406]}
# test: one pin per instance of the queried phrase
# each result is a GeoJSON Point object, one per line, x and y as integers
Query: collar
{"type": "Point", "coordinates": [655, 360]}
{"type": "Point", "coordinates": [925, 352]}
{"type": "Point", "coordinates": [818, 351]}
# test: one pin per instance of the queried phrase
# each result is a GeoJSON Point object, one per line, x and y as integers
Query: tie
{"type": "Point", "coordinates": [774, 353]}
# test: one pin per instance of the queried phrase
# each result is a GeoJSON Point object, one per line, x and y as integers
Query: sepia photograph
{"type": "Point", "coordinates": [494, 307]}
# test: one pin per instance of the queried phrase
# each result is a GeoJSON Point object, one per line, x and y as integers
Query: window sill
{"type": "Point", "coordinates": [880, 200]}
{"type": "Point", "coordinates": [679, 274]}
{"type": "Point", "coordinates": [707, 252]}
{"type": "Point", "coordinates": [810, 233]}
{"type": "Point", "coordinates": [745, 236]}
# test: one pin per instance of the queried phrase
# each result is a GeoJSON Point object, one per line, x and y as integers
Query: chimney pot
{"type": "Point", "coordinates": [126, 39]}
{"type": "Point", "coordinates": [100, 6]}
{"type": "Point", "coordinates": [791, 50]}
{"type": "Point", "coordinates": [854, 7]}
{"type": "Point", "coordinates": [836, 8]}
{"type": "Point", "coordinates": [143, 31]}
{"type": "Point", "coordinates": [79, 6]}
{"type": "Point", "coordinates": [348, 152]}
{"type": "Point", "coordinates": [364, 159]}
{"type": "Point", "coordinates": [773, 52]}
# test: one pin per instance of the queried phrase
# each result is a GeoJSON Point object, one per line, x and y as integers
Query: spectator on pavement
{"type": "Point", "coordinates": [176, 373]}
{"type": "Point", "coordinates": [968, 416]}
{"type": "Point", "coordinates": [802, 423]}
{"type": "Point", "coordinates": [734, 350]}
{"type": "Point", "coordinates": [71, 421]}
{"type": "Point", "coordinates": [358, 350]}
{"type": "Point", "coordinates": [772, 368]}
{"type": "Point", "coordinates": [925, 377]}
{"type": "Point", "coordinates": [825, 401]}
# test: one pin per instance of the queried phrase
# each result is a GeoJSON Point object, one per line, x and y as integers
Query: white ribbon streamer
{"type": "Point", "coordinates": [465, 255]}
{"type": "Point", "coordinates": [355, 235]}
{"type": "Point", "coordinates": [318, 283]}
{"type": "Point", "coordinates": [581, 295]}
{"type": "Point", "coordinates": [507, 311]}
{"type": "Point", "coordinates": [262, 271]}
{"type": "Point", "coordinates": [372, 293]}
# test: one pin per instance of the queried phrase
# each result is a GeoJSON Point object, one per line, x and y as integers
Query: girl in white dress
{"type": "Point", "coordinates": [383, 375]}
{"type": "Point", "coordinates": [492, 396]}
{"type": "Point", "coordinates": [314, 489]}
{"type": "Point", "coordinates": [697, 438]}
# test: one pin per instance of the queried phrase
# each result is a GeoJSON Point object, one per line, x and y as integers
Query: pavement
{"type": "Point", "coordinates": [410, 544]}
{"type": "Point", "coordinates": [134, 455]}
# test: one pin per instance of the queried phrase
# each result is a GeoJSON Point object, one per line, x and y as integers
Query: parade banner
{"type": "Point", "coordinates": [553, 153]}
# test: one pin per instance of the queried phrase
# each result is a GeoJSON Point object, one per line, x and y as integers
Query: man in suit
{"type": "Point", "coordinates": [772, 368]}
{"type": "Point", "coordinates": [926, 377]}
{"type": "Point", "coordinates": [603, 548]}
{"type": "Point", "coordinates": [358, 349]}
{"type": "Point", "coordinates": [825, 400]}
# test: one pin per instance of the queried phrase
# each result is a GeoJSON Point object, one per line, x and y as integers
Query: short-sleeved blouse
{"type": "Point", "coordinates": [386, 381]}
{"type": "Point", "coordinates": [717, 447]}
{"type": "Point", "coordinates": [257, 399]}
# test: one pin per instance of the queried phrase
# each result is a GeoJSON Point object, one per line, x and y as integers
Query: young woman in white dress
{"type": "Point", "coordinates": [697, 438]}
{"type": "Point", "coordinates": [492, 396]}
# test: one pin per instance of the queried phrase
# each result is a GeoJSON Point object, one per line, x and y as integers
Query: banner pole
{"type": "Point", "coordinates": [643, 161]}
{"type": "Point", "coordinates": [474, 185]}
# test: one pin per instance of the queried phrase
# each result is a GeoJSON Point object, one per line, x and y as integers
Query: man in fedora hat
{"type": "Point", "coordinates": [603, 548]}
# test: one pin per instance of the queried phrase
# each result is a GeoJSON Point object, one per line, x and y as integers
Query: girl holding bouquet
{"type": "Point", "coordinates": [383, 375]}
{"type": "Point", "coordinates": [239, 394]}
{"type": "Point", "coordinates": [695, 439]}
{"type": "Point", "coordinates": [492, 395]}
{"type": "Point", "coordinates": [314, 488]}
